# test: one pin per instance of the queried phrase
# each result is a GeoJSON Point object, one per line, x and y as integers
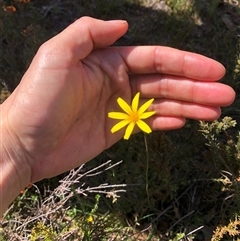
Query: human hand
{"type": "Point", "coordinates": [57, 116]}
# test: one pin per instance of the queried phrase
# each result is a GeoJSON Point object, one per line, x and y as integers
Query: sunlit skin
{"type": "Point", "coordinates": [132, 116]}
{"type": "Point", "coordinates": [57, 117]}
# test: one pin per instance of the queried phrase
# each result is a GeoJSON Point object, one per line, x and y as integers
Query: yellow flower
{"type": "Point", "coordinates": [132, 116]}
{"type": "Point", "coordinates": [90, 219]}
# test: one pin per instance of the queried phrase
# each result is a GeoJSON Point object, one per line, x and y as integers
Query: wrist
{"type": "Point", "coordinates": [15, 173]}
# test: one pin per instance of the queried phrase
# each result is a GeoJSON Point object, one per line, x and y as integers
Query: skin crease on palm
{"type": "Point", "coordinates": [56, 119]}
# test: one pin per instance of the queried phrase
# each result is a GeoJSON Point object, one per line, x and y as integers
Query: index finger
{"type": "Point", "coordinates": [159, 59]}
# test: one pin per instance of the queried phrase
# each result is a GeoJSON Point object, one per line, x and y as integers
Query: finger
{"type": "Point", "coordinates": [161, 123]}
{"type": "Point", "coordinates": [80, 38]}
{"type": "Point", "coordinates": [172, 108]}
{"type": "Point", "coordinates": [156, 59]}
{"type": "Point", "coordinates": [166, 123]}
{"type": "Point", "coordinates": [179, 88]}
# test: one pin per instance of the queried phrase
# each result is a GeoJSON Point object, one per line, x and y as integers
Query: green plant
{"type": "Point", "coordinates": [42, 232]}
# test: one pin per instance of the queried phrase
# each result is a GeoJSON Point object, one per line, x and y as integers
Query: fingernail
{"type": "Point", "coordinates": [117, 21]}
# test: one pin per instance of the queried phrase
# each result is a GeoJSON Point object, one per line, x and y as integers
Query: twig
{"type": "Point", "coordinates": [194, 231]}
{"type": "Point", "coordinates": [185, 216]}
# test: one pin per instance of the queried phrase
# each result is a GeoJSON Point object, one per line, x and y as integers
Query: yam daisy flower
{"type": "Point", "coordinates": [132, 116]}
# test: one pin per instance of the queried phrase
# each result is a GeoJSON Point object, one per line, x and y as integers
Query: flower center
{"type": "Point", "coordinates": [134, 117]}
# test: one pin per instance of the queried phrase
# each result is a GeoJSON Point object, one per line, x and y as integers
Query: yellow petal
{"type": "Point", "coordinates": [119, 125]}
{"type": "Point", "coordinates": [143, 126]}
{"type": "Point", "coordinates": [135, 102]}
{"type": "Point", "coordinates": [144, 107]}
{"type": "Point", "coordinates": [146, 115]}
{"type": "Point", "coordinates": [124, 105]}
{"type": "Point", "coordinates": [129, 130]}
{"type": "Point", "coordinates": [118, 115]}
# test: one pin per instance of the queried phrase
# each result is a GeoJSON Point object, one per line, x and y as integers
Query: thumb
{"type": "Point", "coordinates": [82, 36]}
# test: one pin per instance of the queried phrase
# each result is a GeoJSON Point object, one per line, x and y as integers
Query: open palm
{"type": "Point", "coordinates": [58, 113]}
